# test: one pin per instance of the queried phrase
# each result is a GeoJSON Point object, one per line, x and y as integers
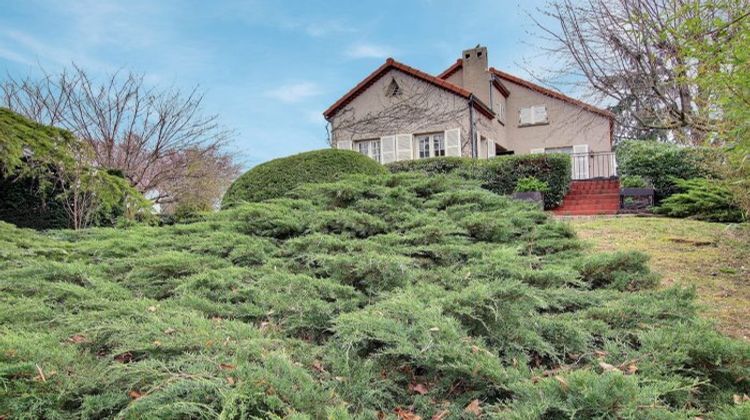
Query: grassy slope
{"type": "Point", "coordinates": [713, 257]}
{"type": "Point", "coordinates": [368, 297]}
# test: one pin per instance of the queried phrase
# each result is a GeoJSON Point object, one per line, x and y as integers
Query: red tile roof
{"type": "Point", "coordinates": [551, 93]}
{"type": "Point", "coordinates": [452, 69]}
{"type": "Point", "coordinates": [458, 65]}
{"type": "Point", "coordinates": [393, 64]}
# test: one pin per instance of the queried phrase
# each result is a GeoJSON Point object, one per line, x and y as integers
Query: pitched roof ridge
{"type": "Point", "coordinates": [552, 93]}
{"type": "Point", "coordinates": [391, 63]}
{"type": "Point", "coordinates": [452, 69]}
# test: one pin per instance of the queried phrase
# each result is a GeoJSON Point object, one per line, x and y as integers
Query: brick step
{"type": "Point", "coordinates": [591, 203]}
{"type": "Point", "coordinates": [590, 195]}
{"type": "Point", "coordinates": [592, 189]}
{"type": "Point", "coordinates": [584, 213]}
{"type": "Point", "coordinates": [604, 200]}
{"type": "Point", "coordinates": [585, 209]}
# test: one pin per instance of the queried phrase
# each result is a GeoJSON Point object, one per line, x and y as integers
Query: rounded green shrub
{"type": "Point", "coordinates": [275, 178]}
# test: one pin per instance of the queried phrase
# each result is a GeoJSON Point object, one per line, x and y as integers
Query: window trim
{"type": "Point", "coordinates": [371, 146]}
{"type": "Point", "coordinates": [431, 138]}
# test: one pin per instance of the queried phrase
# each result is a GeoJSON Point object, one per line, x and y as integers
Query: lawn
{"type": "Point", "coordinates": [712, 257]}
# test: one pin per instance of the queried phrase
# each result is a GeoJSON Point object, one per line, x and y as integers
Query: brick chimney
{"type": "Point", "coordinates": [476, 77]}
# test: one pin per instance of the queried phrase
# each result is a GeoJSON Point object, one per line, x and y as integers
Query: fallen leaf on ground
{"type": "Point", "coordinates": [135, 394]}
{"type": "Point", "coordinates": [318, 366]}
{"type": "Point", "coordinates": [226, 366]}
{"type": "Point", "coordinates": [739, 399]}
{"type": "Point", "coordinates": [420, 389]}
{"type": "Point", "coordinates": [563, 383]}
{"type": "Point", "coordinates": [126, 357]}
{"type": "Point", "coordinates": [440, 415]}
{"type": "Point", "coordinates": [474, 408]}
{"type": "Point", "coordinates": [77, 339]}
{"type": "Point", "coordinates": [406, 414]}
{"type": "Point", "coordinates": [607, 367]}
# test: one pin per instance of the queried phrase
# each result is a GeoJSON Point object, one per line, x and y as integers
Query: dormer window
{"type": "Point", "coordinates": [393, 89]}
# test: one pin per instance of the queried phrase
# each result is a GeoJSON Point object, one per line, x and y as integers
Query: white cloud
{"type": "Point", "coordinates": [14, 56]}
{"type": "Point", "coordinates": [369, 51]}
{"type": "Point", "coordinates": [294, 92]}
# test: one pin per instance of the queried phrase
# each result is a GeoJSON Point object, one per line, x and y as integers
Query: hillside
{"type": "Point", "coordinates": [712, 257]}
{"type": "Point", "coordinates": [393, 296]}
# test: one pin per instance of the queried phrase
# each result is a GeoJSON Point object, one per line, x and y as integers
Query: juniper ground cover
{"type": "Point", "coordinates": [389, 296]}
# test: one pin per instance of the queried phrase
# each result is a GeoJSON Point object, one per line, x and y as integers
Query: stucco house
{"type": "Point", "coordinates": [399, 112]}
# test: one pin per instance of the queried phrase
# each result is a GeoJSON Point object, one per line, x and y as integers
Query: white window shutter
{"type": "Point", "coordinates": [344, 144]}
{"type": "Point", "coordinates": [525, 116]}
{"type": "Point", "coordinates": [453, 142]}
{"type": "Point", "coordinates": [536, 151]}
{"type": "Point", "coordinates": [388, 148]}
{"type": "Point", "coordinates": [490, 148]}
{"type": "Point", "coordinates": [404, 148]}
{"type": "Point", "coordinates": [540, 114]}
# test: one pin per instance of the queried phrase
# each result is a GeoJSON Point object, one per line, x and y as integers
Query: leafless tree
{"type": "Point", "coordinates": [140, 130]}
{"type": "Point", "coordinates": [415, 107]}
{"type": "Point", "coordinates": [628, 52]}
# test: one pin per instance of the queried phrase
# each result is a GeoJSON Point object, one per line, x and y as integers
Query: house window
{"type": "Point", "coordinates": [438, 145]}
{"type": "Point", "coordinates": [532, 115]}
{"type": "Point", "coordinates": [430, 145]}
{"type": "Point", "coordinates": [369, 148]}
{"type": "Point", "coordinates": [424, 147]}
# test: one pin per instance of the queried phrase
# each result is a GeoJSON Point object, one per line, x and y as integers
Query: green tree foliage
{"type": "Point", "coordinates": [703, 199]}
{"type": "Point", "coordinates": [501, 174]}
{"type": "Point", "coordinates": [47, 181]}
{"type": "Point", "coordinates": [531, 184]}
{"type": "Point", "coordinates": [385, 296]}
{"type": "Point", "coordinates": [275, 178]}
{"type": "Point", "coordinates": [661, 163]}
{"type": "Point", "coordinates": [721, 48]}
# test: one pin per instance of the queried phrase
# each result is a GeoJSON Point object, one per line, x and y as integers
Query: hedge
{"type": "Point", "coordinates": [501, 174]}
{"type": "Point", "coordinates": [275, 178]}
{"type": "Point", "coordinates": [662, 163]}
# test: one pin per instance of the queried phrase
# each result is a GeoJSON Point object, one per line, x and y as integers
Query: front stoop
{"type": "Point", "coordinates": [591, 197]}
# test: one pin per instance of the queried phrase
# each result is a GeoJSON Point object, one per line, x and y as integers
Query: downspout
{"type": "Point", "coordinates": [472, 129]}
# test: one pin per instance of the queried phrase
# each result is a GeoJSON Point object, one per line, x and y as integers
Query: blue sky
{"type": "Point", "coordinates": [269, 68]}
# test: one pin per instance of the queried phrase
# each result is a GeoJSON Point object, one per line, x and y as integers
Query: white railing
{"type": "Point", "coordinates": [593, 165]}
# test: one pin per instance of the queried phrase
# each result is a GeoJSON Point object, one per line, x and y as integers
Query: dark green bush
{"type": "Point", "coordinates": [661, 163]}
{"type": "Point", "coordinates": [275, 178]}
{"type": "Point", "coordinates": [702, 199]}
{"type": "Point", "coordinates": [501, 174]}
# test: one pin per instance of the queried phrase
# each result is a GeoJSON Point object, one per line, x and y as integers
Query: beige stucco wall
{"type": "Point", "coordinates": [491, 129]}
{"type": "Point", "coordinates": [373, 114]}
{"type": "Point", "coordinates": [568, 124]}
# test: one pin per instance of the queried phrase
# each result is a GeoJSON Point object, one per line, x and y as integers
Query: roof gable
{"type": "Point", "coordinates": [411, 71]}
{"type": "Point", "coordinates": [551, 93]}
